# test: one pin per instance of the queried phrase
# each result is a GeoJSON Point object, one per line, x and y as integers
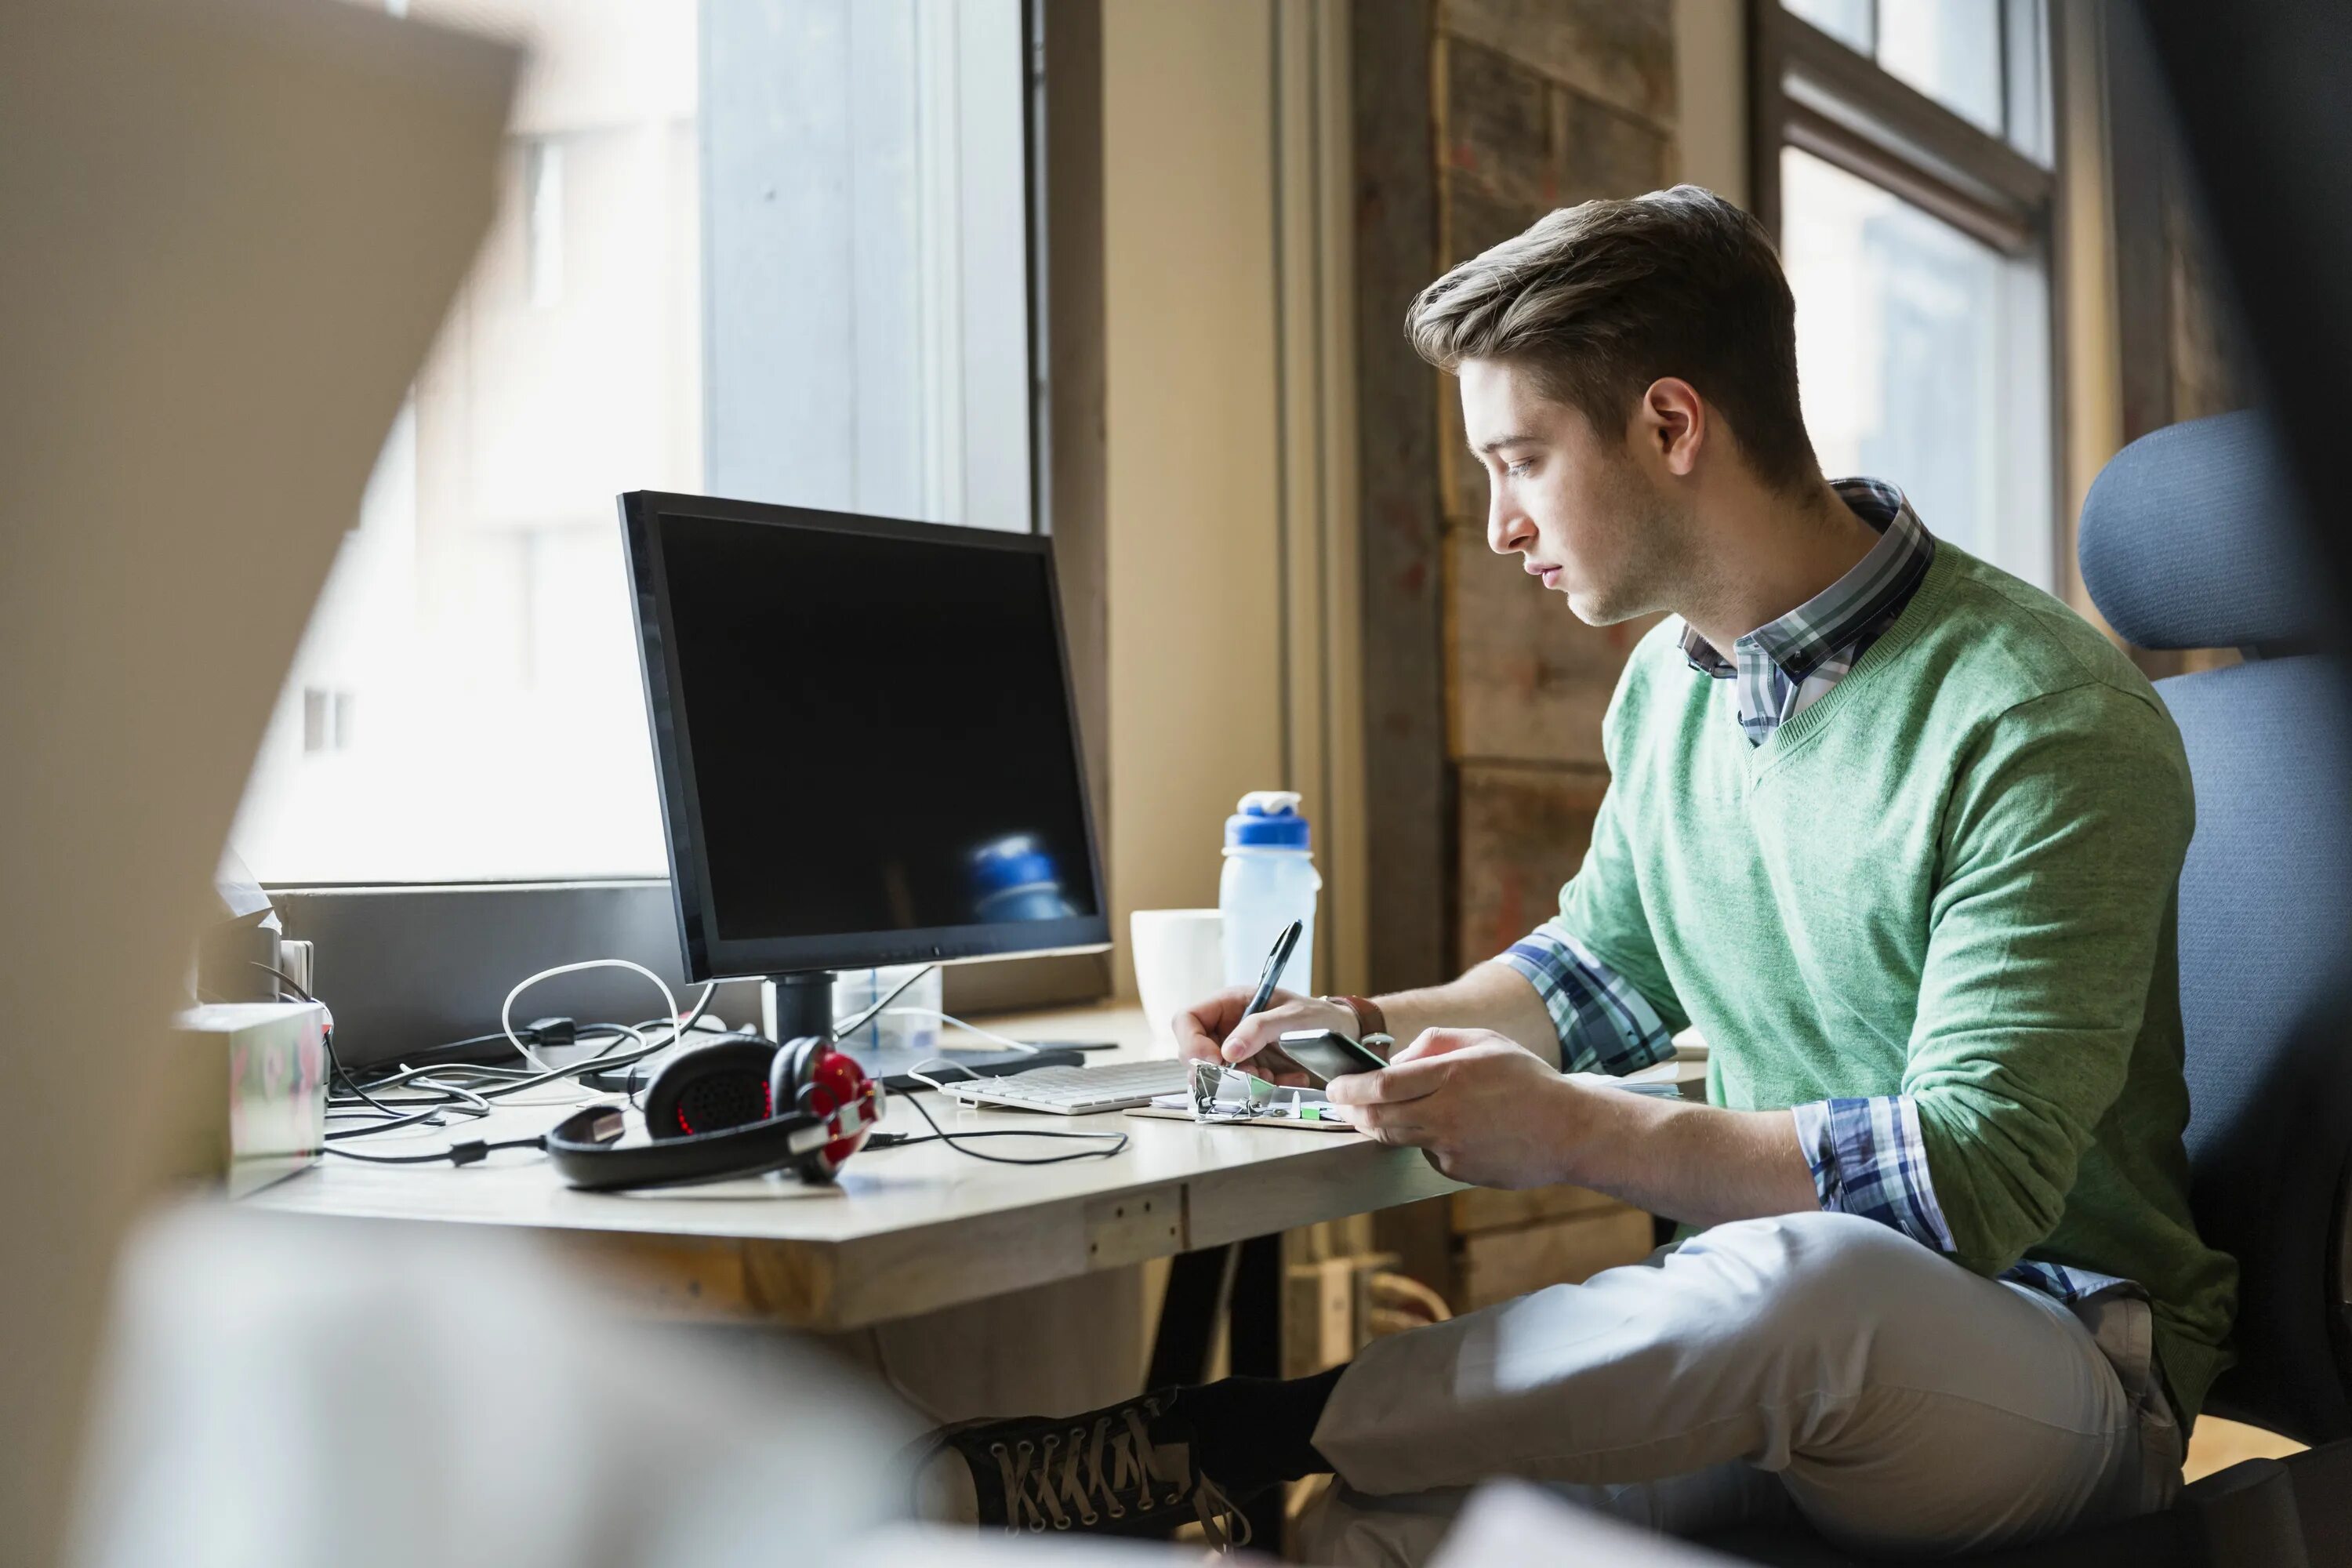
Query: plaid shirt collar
{"type": "Point", "coordinates": [1786, 665]}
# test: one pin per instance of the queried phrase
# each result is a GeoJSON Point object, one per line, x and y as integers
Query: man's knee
{"type": "Point", "coordinates": [1802, 1273]}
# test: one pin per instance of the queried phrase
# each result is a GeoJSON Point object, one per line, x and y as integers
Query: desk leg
{"type": "Point", "coordinates": [1242, 1284]}
{"type": "Point", "coordinates": [1199, 1289]}
{"type": "Point", "coordinates": [1253, 1349]}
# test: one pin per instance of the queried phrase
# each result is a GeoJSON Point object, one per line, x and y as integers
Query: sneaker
{"type": "Point", "coordinates": [1124, 1469]}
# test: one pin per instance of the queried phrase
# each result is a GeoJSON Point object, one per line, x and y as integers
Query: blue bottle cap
{"type": "Point", "coordinates": [1266, 819]}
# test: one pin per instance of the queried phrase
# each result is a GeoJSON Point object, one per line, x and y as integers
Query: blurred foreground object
{"type": "Point", "coordinates": [1512, 1522]}
{"type": "Point", "coordinates": [279, 1393]}
{"type": "Point", "coordinates": [249, 1086]}
{"type": "Point", "coordinates": [231, 230]}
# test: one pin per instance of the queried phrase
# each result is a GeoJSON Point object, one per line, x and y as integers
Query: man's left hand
{"type": "Point", "coordinates": [1485, 1109]}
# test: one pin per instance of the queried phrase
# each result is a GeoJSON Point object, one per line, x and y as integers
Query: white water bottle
{"type": "Point", "coordinates": [1269, 881]}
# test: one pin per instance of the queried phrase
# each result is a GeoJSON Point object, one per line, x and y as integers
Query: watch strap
{"type": "Point", "coordinates": [1369, 1019]}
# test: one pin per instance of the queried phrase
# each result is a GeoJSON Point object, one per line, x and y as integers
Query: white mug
{"type": "Point", "coordinates": [1179, 960]}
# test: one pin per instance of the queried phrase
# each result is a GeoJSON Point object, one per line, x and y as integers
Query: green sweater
{"type": "Point", "coordinates": [1950, 877]}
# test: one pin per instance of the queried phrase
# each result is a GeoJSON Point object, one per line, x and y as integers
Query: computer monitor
{"type": "Point", "coordinates": [865, 739]}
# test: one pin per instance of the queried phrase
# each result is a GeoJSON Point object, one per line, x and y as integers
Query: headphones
{"type": "Point", "coordinates": [740, 1106]}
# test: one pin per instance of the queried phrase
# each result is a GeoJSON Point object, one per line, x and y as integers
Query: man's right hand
{"type": "Point", "coordinates": [1215, 1031]}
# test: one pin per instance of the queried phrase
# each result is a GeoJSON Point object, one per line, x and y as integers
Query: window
{"type": "Point", "coordinates": [776, 251]}
{"type": "Point", "coordinates": [1904, 149]}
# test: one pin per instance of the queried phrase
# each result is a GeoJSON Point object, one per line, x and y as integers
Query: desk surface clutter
{"type": "Point", "coordinates": [905, 1230]}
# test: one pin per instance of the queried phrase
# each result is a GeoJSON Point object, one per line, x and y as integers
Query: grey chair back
{"type": "Point", "coordinates": [2190, 540]}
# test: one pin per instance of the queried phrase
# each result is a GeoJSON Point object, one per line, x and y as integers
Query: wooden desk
{"type": "Point", "coordinates": [907, 1230]}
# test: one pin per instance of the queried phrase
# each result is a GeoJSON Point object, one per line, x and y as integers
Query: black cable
{"type": "Point", "coordinates": [458, 1098]}
{"type": "Point", "coordinates": [955, 1141]}
{"type": "Point", "coordinates": [465, 1151]}
{"type": "Point", "coordinates": [516, 1076]}
{"type": "Point", "coordinates": [468, 1151]}
{"type": "Point", "coordinates": [335, 1068]}
{"type": "Point", "coordinates": [432, 1118]}
{"type": "Point", "coordinates": [608, 1057]}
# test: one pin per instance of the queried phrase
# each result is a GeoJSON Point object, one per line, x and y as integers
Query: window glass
{"type": "Point", "coordinates": [785, 260]}
{"type": "Point", "coordinates": [1949, 49]}
{"type": "Point", "coordinates": [2026, 35]}
{"type": "Point", "coordinates": [1923, 357]}
{"type": "Point", "coordinates": [1850, 22]}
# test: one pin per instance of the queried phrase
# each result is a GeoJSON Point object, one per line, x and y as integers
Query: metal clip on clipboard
{"type": "Point", "coordinates": [1220, 1093]}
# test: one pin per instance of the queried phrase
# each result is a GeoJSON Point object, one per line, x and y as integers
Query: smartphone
{"type": "Point", "coordinates": [1327, 1054]}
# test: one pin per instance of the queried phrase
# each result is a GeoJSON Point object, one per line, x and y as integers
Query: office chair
{"type": "Point", "coordinates": [2190, 540]}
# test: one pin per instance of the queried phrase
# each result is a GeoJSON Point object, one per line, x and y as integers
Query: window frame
{"type": "Point", "coordinates": [1810, 91]}
{"type": "Point", "coordinates": [602, 914]}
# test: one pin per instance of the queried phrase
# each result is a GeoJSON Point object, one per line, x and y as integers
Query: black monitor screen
{"type": "Point", "coordinates": [877, 736]}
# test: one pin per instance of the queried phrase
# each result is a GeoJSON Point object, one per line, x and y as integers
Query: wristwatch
{"type": "Point", "coordinates": [1371, 1024]}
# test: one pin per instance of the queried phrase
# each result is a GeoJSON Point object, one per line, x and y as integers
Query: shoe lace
{"type": "Point", "coordinates": [1219, 1515]}
{"type": "Point", "coordinates": [1040, 1479]}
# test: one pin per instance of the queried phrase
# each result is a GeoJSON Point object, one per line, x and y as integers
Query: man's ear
{"type": "Point", "coordinates": [1673, 418]}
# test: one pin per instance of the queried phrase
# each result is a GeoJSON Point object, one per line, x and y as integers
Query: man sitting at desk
{"type": "Point", "coordinates": [1898, 833]}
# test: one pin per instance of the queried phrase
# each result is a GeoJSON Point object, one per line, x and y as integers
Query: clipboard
{"type": "Point", "coordinates": [1287, 1123]}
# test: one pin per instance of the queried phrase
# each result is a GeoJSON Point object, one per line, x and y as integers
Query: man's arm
{"type": "Point", "coordinates": [1490, 1112]}
{"type": "Point", "coordinates": [2062, 845]}
{"type": "Point", "coordinates": [1490, 997]}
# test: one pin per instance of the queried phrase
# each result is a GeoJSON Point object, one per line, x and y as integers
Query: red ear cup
{"type": "Point", "coordinates": [839, 1079]}
{"type": "Point", "coordinates": [811, 1076]}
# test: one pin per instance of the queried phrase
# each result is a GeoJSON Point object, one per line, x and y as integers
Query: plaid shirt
{"type": "Point", "coordinates": [1784, 666]}
{"type": "Point", "coordinates": [1865, 1154]}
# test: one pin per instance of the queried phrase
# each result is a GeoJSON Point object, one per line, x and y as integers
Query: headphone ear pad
{"type": "Point", "coordinates": [727, 1083]}
{"type": "Point", "coordinates": [790, 1073]}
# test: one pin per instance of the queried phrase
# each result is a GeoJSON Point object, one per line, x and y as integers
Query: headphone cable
{"type": "Point", "coordinates": [955, 1141]}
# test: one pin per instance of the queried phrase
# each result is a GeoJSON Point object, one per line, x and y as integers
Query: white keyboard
{"type": "Point", "coordinates": [1075, 1091]}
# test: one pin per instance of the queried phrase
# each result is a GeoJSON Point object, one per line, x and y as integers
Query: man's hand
{"type": "Point", "coordinates": [1215, 1031]}
{"type": "Point", "coordinates": [1485, 1109]}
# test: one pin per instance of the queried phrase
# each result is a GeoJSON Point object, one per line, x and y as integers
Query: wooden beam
{"type": "Point", "coordinates": [1409, 790]}
{"type": "Point", "coordinates": [1906, 121]}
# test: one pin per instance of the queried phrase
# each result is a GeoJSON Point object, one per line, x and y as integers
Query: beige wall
{"type": "Point", "coordinates": [1711, 90]}
{"type": "Point", "coordinates": [1189, 260]}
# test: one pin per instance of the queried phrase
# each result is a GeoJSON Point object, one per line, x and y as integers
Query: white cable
{"type": "Point", "coordinates": [919, 1076]}
{"type": "Point", "coordinates": [506, 1012]}
{"type": "Point", "coordinates": [1022, 1045]}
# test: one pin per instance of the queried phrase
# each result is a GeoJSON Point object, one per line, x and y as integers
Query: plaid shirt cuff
{"type": "Point", "coordinates": [1603, 1023]}
{"type": "Point", "coordinates": [1868, 1160]}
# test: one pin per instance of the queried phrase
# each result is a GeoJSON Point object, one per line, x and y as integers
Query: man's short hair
{"type": "Point", "coordinates": [1600, 299]}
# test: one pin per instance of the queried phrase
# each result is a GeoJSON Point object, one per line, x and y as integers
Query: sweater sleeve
{"type": "Point", "coordinates": [1603, 916]}
{"type": "Point", "coordinates": [2060, 846]}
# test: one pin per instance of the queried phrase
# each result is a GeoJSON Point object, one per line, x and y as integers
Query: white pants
{"type": "Point", "coordinates": [1820, 1364]}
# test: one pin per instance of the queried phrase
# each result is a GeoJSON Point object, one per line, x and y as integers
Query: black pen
{"type": "Point", "coordinates": [1283, 946]}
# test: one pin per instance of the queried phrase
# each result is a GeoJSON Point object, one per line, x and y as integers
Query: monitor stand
{"type": "Point", "coordinates": [798, 1004]}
